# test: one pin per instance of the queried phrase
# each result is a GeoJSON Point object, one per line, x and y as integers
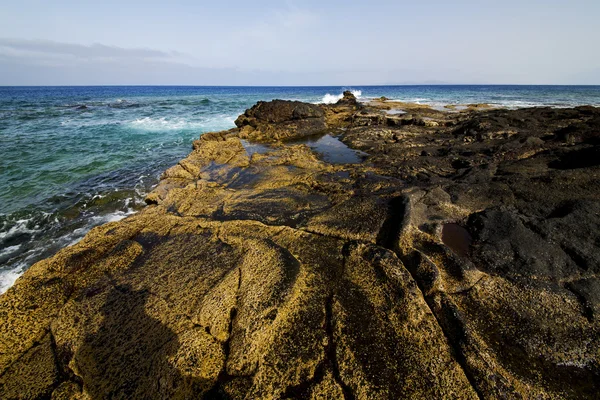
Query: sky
{"type": "Point", "coordinates": [307, 42]}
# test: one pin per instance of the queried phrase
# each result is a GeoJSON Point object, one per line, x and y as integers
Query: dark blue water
{"type": "Point", "coordinates": [75, 157]}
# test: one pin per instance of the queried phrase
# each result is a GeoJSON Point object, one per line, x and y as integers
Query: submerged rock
{"type": "Point", "coordinates": [461, 260]}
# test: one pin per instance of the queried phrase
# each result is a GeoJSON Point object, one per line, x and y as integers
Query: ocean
{"type": "Point", "coordinates": [72, 158]}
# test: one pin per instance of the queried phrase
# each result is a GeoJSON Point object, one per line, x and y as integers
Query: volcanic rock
{"type": "Point", "coordinates": [280, 120]}
{"type": "Point", "coordinates": [348, 99]}
{"type": "Point", "coordinates": [460, 260]}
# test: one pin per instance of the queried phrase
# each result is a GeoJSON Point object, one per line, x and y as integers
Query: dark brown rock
{"type": "Point", "coordinates": [348, 99]}
{"type": "Point", "coordinates": [281, 120]}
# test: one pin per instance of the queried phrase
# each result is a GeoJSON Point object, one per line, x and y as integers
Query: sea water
{"type": "Point", "coordinates": [72, 158]}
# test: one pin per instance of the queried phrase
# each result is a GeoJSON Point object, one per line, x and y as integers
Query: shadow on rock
{"type": "Point", "coordinates": [131, 353]}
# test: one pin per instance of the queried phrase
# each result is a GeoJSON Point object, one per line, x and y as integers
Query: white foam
{"type": "Point", "coordinates": [20, 227]}
{"type": "Point", "coordinates": [97, 220]}
{"type": "Point", "coordinates": [8, 278]}
{"type": "Point", "coordinates": [9, 250]}
{"type": "Point", "coordinates": [161, 124]}
{"type": "Point", "coordinates": [117, 216]}
{"type": "Point", "coordinates": [514, 104]}
{"type": "Point", "coordinates": [178, 124]}
{"type": "Point", "coordinates": [332, 99]}
{"type": "Point", "coordinates": [86, 123]}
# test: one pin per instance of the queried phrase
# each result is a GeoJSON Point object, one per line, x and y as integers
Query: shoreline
{"type": "Point", "coordinates": [23, 224]}
{"type": "Point", "coordinates": [429, 267]}
{"type": "Point", "coordinates": [393, 107]}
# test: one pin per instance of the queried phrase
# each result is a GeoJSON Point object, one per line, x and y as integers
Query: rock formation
{"type": "Point", "coordinates": [348, 99]}
{"type": "Point", "coordinates": [460, 260]}
{"type": "Point", "coordinates": [280, 120]}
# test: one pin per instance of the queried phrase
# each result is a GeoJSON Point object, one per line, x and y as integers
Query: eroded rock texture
{"type": "Point", "coordinates": [460, 260]}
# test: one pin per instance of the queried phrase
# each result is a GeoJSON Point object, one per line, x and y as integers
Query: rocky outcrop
{"type": "Point", "coordinates": [348, 99]}
{"type": "Point", "coordinates": [280, 120]}
{"type": "Point", "coordinates": [461, 260]}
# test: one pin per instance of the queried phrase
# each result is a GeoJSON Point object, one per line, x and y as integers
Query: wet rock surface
{"type": "Point", "coordinates": [461, 259]}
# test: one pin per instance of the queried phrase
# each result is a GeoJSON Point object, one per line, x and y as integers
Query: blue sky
{"type": "Point", "coordinates": [299, 42]}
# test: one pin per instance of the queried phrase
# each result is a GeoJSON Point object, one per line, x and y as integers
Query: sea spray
{"type": "Point", "coordinates": [332, 99]}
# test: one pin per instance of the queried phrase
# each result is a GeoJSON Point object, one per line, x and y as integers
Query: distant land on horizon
{"type": "Point", "coordinates": [348, 86]}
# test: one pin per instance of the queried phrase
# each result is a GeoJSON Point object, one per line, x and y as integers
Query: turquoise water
{"type": "Point", "coordinates": [75, 157]}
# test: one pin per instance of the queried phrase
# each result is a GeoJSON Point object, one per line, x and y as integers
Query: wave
{"type": "Point", "coordinates": [18, 258]}
{"type": "Point", "coordinates": [122, 105]}
{"type": "Point", "coordinates": [184, 102]}
{"type": "Point", "coordinates": [332, 98]}
{"type": "Point", "coordinates": [78, 234]}
{"type": "Point", "coordinates": [9, 250]}
{"type": "Point", "coordinates": [28, 236]}
{"type": "Point", "coordinates": [22, 226]}
{"type": "Point", "coordinates": [8, 278]}
{"type": "Point", "coordinates": [163, 123]}
{"type": "Point", "coordinates": [515, 104]}
{"type": "Point", "coordinates": [214, 122]}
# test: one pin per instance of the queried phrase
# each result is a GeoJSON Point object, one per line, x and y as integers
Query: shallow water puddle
{"type": "Point", "coordinates": [219, 173]}
{"type": "Point", "coordinates": [333, 150]}
{"type": "Point", "coordinates": [395, 111]}
{"type": "Point", "coordinates": [232, 177]}
{"type": "Point", "coordinates": [457, 239]}
{"type": "Point", "coordinates": [254, 148]}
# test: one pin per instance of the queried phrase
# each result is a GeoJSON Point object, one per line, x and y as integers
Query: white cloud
{"type": "Point", "coordinates": [46, 52]}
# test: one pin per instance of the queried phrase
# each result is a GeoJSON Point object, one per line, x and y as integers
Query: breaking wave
{"type": "Point", "coordinates": [32, 239]}
{"type": "Point", "coordinates": [332, 98]}
{"type": "Point", "coordinates": [203, 124]}
{"type": "Point", "coordinates": [8, 278]}
{"type": "Point", "coordinates": [163, 123]}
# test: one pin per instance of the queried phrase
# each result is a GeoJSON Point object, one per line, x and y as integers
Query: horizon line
{"type": "Point", "coordinates": [309, 86]}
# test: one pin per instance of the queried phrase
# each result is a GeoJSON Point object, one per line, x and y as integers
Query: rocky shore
{"type": "Point", "coordinates": [458, 256]}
